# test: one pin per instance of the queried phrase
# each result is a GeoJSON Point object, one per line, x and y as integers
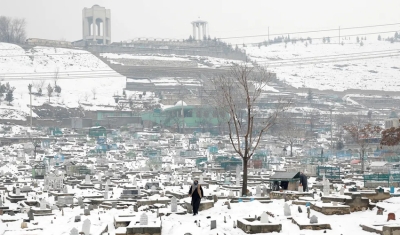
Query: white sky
{"type": "Point", "coordinates": [57, 19]}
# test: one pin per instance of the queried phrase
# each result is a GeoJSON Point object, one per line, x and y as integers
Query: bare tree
{"type": "Point", "coordinates": [362, 133]}
{"type": "Point", "coordinates": [244, 85]}
{"type": "Point", "coordinates": [289, 131]}
{"type": "Point", "coordinates": [12, 30]}
{"type": "Point", "coordinates": [120, 107]}
{"type": "Point", "coordinates": [94, 92]}
{"type": "Point", "coordinates": [50, 90]}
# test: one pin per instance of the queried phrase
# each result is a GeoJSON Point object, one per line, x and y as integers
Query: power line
{"type": "Point", "coordinates": [305, 39]}
{"type": "Point", "coordinates": [312, 31]}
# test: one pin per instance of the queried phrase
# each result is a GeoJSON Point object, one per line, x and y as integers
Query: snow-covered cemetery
{"type": "Point", "coordinates": [286, 134]}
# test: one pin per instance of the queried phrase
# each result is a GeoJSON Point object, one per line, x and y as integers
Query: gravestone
{"type": "Point", "coordinates": [74, 231]}
{"type": "Point", "coordinates": [264, 189]}
{"type": "Point", "coordinates": [144, 220]}
{"type": "Point", "coordinates": [43, 204]}
{"type": "Point", "coordinates": [201, 181]}
{"type": "Point", "coordinates": [326, 186]}
{"type": "Point", "coordinates": [238, 177]}
{"type": "Point", "coordinates": [217, 189]}
{"type": "Point", "coordinates": [215, 197]}
{"type": "Point", "coordinates": [153, 188]}
{"type": "Point", "coordinates": [77, 218]}
{"type": "Point", "coordinates": [24, 225]}
{"type": "Point", "coordinates": [341, 191]}
{"type": "Point", "coordinates": [264, 218]}
{"type": "Point", "coordinates": [86, 227]}
{"type": "Point", "coordinates": [17, 191]}
{"type": "Point", "coordinates": [86, 212]}
{"type": "Point", "coordinates": [391, 216]}
{"type": "Point", "coordinates": [380, 211]}
{"type": "Point", "coordinates": [106, 192]}
{"type": "Point", "coordinates": [174, 204]}
{"type": "Point", "coordinates": [114, 205]}
{"type": "Point", "coordinates": [80, 201]}
{"type": "Point", "coordinates": [213, 224]}
{"type": "Point", "coordinates": [299, 209]}
{"type": "Point", "coordinates": [308, 212]}
{"type": "Point", "coordinates": [87, 179]}
{"type": "Point", "coordinates": [30, 215]}
{"type": "Point", "coordinates": [65, 189]}
{"type": "Point", "coordinates": [314, 219]}
{"type": "Point", "coordinates": [286, 210]}
{"type": "Point", "coordinates": [258, 191]}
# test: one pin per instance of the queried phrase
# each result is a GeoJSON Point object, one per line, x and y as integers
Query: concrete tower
{"type": "Point", "coordinates": [96, 25]}
{"type": "Point", "coordinates": [200, 29]}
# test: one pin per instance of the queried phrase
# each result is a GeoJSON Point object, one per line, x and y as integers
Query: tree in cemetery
{"type": "Point", "coordinates": [50, 91]}
{"type": "Point", "coordinates": [10, 96]}
{"type": "Point", "coordinates": [362, 133]}
{"type": "Point", "coordinates": [12, 30]}
{"type": "Point", "coordinates": [244, 85]}
{"type": "Point", "coordinates": [289, 132]}
{"type": "Point", "coordinates": [390, 137]}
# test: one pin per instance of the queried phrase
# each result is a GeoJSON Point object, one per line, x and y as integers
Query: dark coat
{"type": "Point", "coordinates": [303, 179]}
{"type": "Point", "coordinates": [195, 194]}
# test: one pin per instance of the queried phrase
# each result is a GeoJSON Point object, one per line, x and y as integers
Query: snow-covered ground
{"type": "Point", "coordinates": [299, 64]}
{"type": "Point", "coordinates": [202, 61]}
{"type": "Point", "coordinates": [83, 77]}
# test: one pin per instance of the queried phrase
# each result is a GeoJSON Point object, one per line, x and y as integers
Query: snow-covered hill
{"type": "Point", "coordinates": [347, 71]}
{"type": "Point", "coordinates": [79, 74]}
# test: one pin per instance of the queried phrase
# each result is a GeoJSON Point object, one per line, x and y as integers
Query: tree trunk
{"type": "Point", "coordinates": [362, 161]}
{"type": "Point", "coordinates": [244, 185]}
{"type": "Point", "coordinates": [291, 149]}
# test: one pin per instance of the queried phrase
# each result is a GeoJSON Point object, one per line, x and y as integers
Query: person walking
{"type": "Point", "coordinates": [196, 192]}
{"type": "Point", "coordinates": [303, 181]}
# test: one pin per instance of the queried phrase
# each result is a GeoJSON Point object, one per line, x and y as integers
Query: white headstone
{"type": "Point", "coordinates": [201, 181]}
{"type": "Point", "coordinates": [153, 188]}
{"type": "Point", "coordinates": [174, 204]}
{"type": "Point", "coordinates": [300, 188]}
{"type": "Point", "coordinates": [231, 194]}
{"type": "Point", "coordinates": [258, 191]}
{"type": "Point", "coordinates": [134, 181]}
{"type": "Point", "coordinates": [217, 189]}
{"type": "Point", "coordinates": [17, 191]}
{"type": "Point", "coordinates": [65, 189]}
{"type": "Point", "coordinates": [342, 191]}
{"type": "Point", "coordinates": [43, 204]}
{"type": "Point", "coordinates": [87, 179]}
{"type": "Point", "coordinates": [286, 210]}
{"type": "Point", "coordinates": [108, 182]}
{"type": "Point", "coordinates": [238, 176]}
{"type": "Point", "coordinates": [74, 231]}
{"type": "Point", "coordinates": [144, 220]}
{"type": "Point", "coordinates": [218, 177]}
{"type": "Point", "coordinates": [264, 218]}
{"type": "Point", "coordinates": [326, 187]}
{"type": "Point", "coordinates": [86, 226]}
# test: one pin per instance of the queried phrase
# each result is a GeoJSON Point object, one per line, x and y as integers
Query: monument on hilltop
{"type": "Point", "coordinates": [200, 28]}
{"type": "Point", "coordinates": [96, 25]}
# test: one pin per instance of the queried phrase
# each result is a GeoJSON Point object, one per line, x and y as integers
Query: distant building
{"type": "Point", "coordinates": [392, 122]}
{"type": "Point", "coordinates": [96, 25]}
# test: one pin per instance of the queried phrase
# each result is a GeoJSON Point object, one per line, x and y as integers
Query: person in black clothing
{"type": "Point", "coordinates": [303, 181]}
{"type": "Point", "coordinates": [196, 192]}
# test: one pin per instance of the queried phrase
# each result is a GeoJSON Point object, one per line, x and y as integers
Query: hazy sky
{"type": "Point", "coordinates": [57, 19]}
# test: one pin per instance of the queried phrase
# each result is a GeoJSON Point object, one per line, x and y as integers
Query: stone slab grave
{"type": "Point", "coordinates": [174, 208]}
{"type": "Point", "coordinates": [291, 195]}
{"type": "Point", "coordinates": [42, 210]}
{"type": "Point", "coordinates": [330, 208]}
{"type": "Point", "coordinates": [145, 225]}
{"type": "Point", "coordinates": [303, 201]}
{"type": "Point", "coordinates": [263, 225]}
{"type": "Point", "coordinates": [204, 205]}
{"type": "Point", "coordinates": [312, 224]}
{"type": "Point", "coordinates": [382, 228]}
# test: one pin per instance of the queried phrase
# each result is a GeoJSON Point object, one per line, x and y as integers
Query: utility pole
{"type": "Point", "coordinates": [331, 132]}
{"type": "Point", "coordinates": [30, 102]}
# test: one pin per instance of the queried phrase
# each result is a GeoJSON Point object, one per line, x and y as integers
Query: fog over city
{"type": "Point", "coordinates": [199, 117]}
